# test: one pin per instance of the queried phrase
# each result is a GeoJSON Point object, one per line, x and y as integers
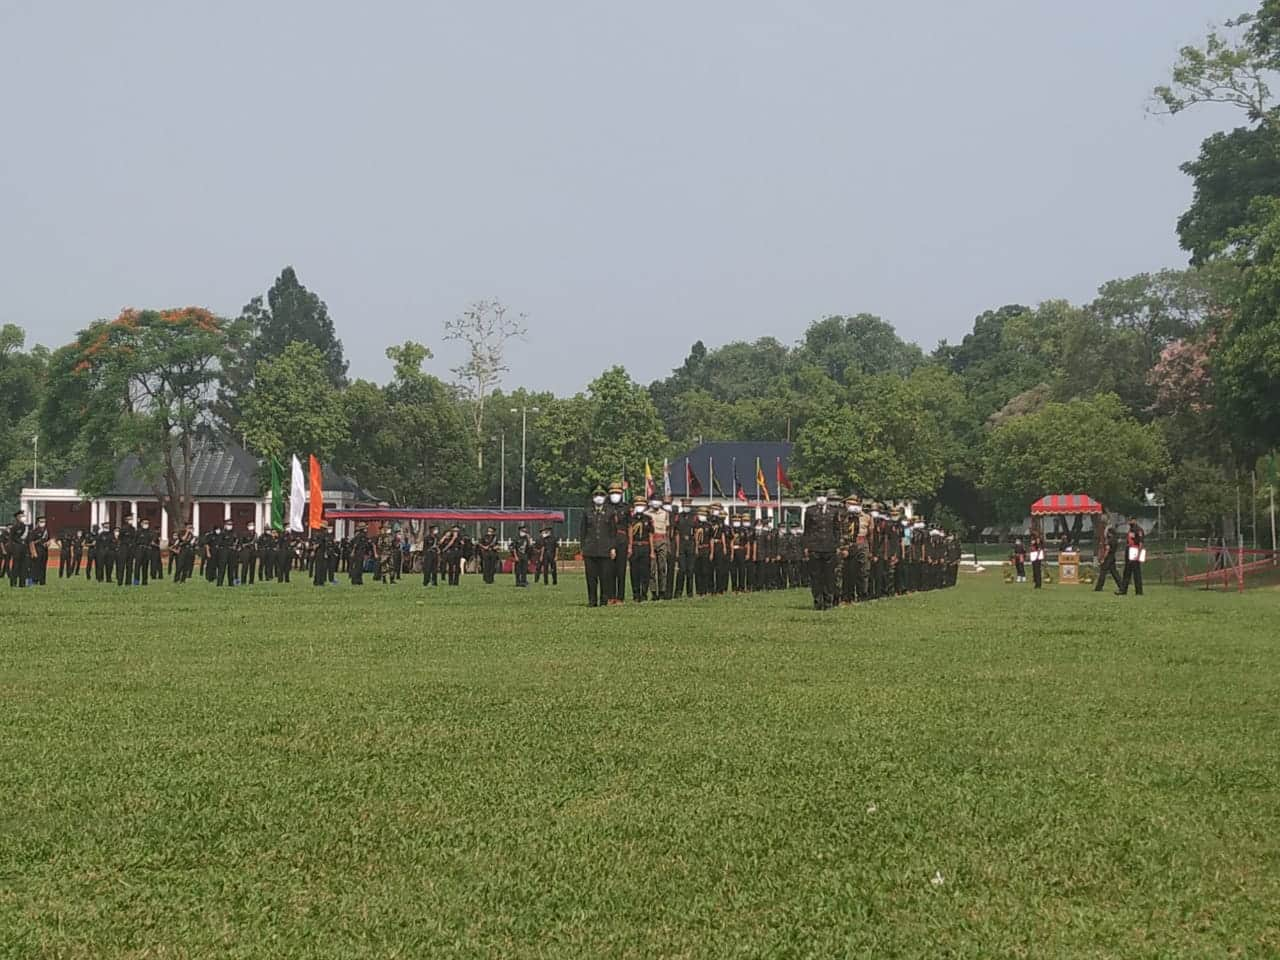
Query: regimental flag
{"type": "Point", "coordinates": [739, 492]}
{"type": "Point", "coordinates": [716, 489]}
{"type": "Point", "coordinates": [761, 486]}
{"type": "Point", "coordinates": [666, 477]}
{"type": "Point", "coordinates": [783, 479]}
{"type": "Point", "coordinates": [277, 494]}
{"type": "Point", "coordinates": [297, 496]}
{"type": "Point", "coordinates": [317, 494]}
{"type": "Point", "coordinates": [649, 488]}
{"type": "Point", "coordinates": [692, 486]}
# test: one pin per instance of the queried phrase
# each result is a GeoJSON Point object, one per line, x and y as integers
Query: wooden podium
{"type": "Point", "coordinates": [1069, 566]}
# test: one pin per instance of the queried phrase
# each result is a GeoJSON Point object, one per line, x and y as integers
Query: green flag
{"type": "Point", "coordinates": [277, 495]}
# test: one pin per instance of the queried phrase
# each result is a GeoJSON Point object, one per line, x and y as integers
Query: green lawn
{"type": "Point", "coordinates": [982, 772]}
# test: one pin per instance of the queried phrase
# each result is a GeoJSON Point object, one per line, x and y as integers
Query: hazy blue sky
{"type": "Point", "coordinates": [632, 176]}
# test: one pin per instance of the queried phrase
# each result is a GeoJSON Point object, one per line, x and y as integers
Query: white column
{"type": "Point", "coordinates": [133, 509]}
{"type": "Point", "coordinates": [226, 510]}
{"type": "Point", "coordinates": [195, 516]}
{"type": "Point", "coordinates": [164, 524]}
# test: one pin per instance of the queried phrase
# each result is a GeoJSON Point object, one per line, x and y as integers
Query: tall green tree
{"type": "Point", "coordinates": [1246, 358]}
{"type": "Point", "coordinates": [22, 386]}
{"type": "Point", "coordinates": [292, 407]}
{"type": "Point", "coordinates": [599, 436]}
{"type": "Point", "coordinates": [409, 442]}
{"type": "Point", "coordinates": [291, 314]}
{"type": "Point", "coordinates": [1084, 446]}
{"type": "Point", "coordinates": [142, 384]}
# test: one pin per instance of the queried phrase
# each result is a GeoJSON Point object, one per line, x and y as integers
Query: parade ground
{"type": "Point", "coordinates": [288, 771]}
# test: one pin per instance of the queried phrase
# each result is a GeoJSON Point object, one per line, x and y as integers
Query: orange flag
{"type": "Point", "coordinates": [316, 496]}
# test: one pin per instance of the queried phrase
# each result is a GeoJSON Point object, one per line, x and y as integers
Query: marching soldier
{"type": "Point", "coordinates": [1107, 560]}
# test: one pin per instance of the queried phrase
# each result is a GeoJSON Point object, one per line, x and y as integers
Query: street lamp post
{"type": "Point", "coordinates": [502, 482]}
{"type": "Point", "coordinates": [524, 436]}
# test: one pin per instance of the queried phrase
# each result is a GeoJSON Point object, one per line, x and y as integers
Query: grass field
{"type": "Point", "coordinates": [981, 772]}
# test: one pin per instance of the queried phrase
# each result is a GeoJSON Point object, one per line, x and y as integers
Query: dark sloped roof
{"type": "Point", "coordinates": [217, 470]}
{"type": "Point", "coordinates": [723, 455]}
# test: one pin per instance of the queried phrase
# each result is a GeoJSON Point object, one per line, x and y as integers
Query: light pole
{"type": "Point", "coordinates": [524, 436]}
{"type": "Point", "coordinates": [502, 482]}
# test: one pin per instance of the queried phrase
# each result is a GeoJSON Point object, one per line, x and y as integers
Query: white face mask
{"type": "Point", "coordinates": [639, 510]}
{"type": "Point", "coordinates": [598, 501]}
{"type": "Point", "coordinates": [655, 504]}
{"type": "Point", "coordinates": [822, 501]}
{"type": "Point", "coordinates": [857, 508]}
{"type": "Point", "coordinates": [615, 498]}
{"type": "Point", "coordinates": [227, 527]}
{"type": "Point", "coordinates": [851, 508]}
{"type": "Point", "coordinates": [667, 507]}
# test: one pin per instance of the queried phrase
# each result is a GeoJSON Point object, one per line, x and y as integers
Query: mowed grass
{"type": "Point", "coordinates": [485, 772]}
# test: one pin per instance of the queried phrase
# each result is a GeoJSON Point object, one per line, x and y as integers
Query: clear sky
{"type": "Point", "coordinates": [632, 176]}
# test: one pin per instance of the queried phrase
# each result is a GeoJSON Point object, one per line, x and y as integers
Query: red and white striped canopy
{"type": "Point", "coordinates": [1065, 503]}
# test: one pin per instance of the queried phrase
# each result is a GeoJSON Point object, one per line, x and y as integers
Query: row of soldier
{"type": "Point", "coordinates": [845, 553]}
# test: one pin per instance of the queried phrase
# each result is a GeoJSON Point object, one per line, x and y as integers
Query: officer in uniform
{"type": "Point", "coordinates": [619, 587]}
{"type": "Point", "coordinates": [1134, 557]}
{"type": "Point", "coordinates": [521, 550]}
{"type": "Point", "coordinates": [488, 548]}
{"type": "Point", "coordinates": [599, 548]}
{"type": "Point", "coordinates": [38, 543]}
{"type": "Point", "coordinates": [361, 550]}
{"type": "Point", "coordinates": [661, 571]}
{"type": "Point", "coordinates": [431, 556]}
{"type": "Point", "coordinates": [821, 539]}
{"type": "Point", "coordinates": [1107, 560]}
{"type": "Point", "coordinates": [548, 545]}
{"type": "Point", "coordinates": [738, 542]}
{"type": "Point", "coordinates": [108, 550]}
{"type": "Point", "coordinates": [686, 525]}
{"type": "Point", "coordinates": [91, 551]}
{"type": "Point", "coordinates": [143, 541]}
{"type": "Point", "coordinates": [224, 546]}
{"type": "Point", "coordinates": [284, 556]}
{"type": "Point", "coordinates": [247, 555]}
{"type": "Point", "coordinates": [640, 546]}
{"type": "Point", "coordinates": [126, 541]}
{"type": "Point", "coordinates": [321, 556]}
{"type": "Point", "coordinates": [451, 555]}
{"type": "Point", "coordinates": [184, 550]}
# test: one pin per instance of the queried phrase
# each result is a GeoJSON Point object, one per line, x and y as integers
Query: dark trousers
{"type": "Point", "coordinates": [1132, 572]}
{"type": "Point", "coordinates": [453, 567]}
{"type": "Point", "coordinates": [522, 571]}
{"type": "Point", "coordinates": [822, 579]}
{"type": "Point", "coordinates": [721, 566]}
{"type": "Point", "coordinates": [64, 561]}
{"type": "Point", "coordinates": [702, 574]}
{"type": "Point", "coordinates": [738, 572]}
{"type": "Point", "coordinates": [1037, 572]}
{"type": "Point", "coordinates": [640, 566]}
{"type": "Point", "coordinates": [1108, 567]}
{"type": "Point", "coordinates": [684, 575]}
{"type": "Point", "coordinates": [546, 568]}
{"type": "Point", "coordinates": [599, 579]}
{"type": "Point", "coordinates": [106, 565]}
{"type": "Point", "coordinates": [248, 565]}
{"type": "Point", "coordinates": [18, 567]}
{"type": "Point", "coordinates": [90, 558]}
{"type": "Point", "coordinates": [430, 568]}
{"type": "Point", "coordinates": [320, 569]}
{"type": "Point", "coordinates": [620, 573]}
{"type": "Point", "coordinates": [488, 566]}
{"type": "Point", "coordinates": [226, 566]}
{"type": "Point", "coordinates": [124, 567]}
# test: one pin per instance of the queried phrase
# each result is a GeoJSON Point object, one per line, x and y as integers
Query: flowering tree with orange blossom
{"type": "Point", "coordinates": [141, 384]}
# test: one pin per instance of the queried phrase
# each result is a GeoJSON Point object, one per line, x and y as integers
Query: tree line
{"type": "Point", "coordinates": [1164, 382]}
